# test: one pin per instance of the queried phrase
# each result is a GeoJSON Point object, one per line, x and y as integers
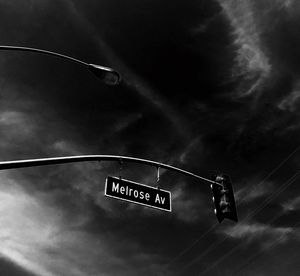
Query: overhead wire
{"type": "Point", "coordinates": [265, 203]}
{"type": "Point", "coordinates": [254, 256]}
{"type": "Point", "coordinates": [274, 170]}
{"type": "Point", "coordinates": [215, 244]}
{"type": "Point", "coordinates": [250, 215]}
{"type": "Point", "coordinates": [183, 252]}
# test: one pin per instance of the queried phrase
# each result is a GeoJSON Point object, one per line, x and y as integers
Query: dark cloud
{"type": "Point", "coordinates": [208, 85]}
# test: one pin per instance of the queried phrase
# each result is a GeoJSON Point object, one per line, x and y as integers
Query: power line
{"type": "Point", "coordinates": [254, 212]}
{"type": "Point", "coordinates": [280, 190]}
{"type": "Point", "coordinates": [253, 257]}
{"type": "Point", "coordinates": [272, 196]}
{"type": "Point", "coordinates": [274, 170]}
{"type": "Point", "coordinates": [183, 252]}
{"type": "Point", "coordinates": [214, 245]}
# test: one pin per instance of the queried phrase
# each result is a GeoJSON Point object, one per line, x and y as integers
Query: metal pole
{"type": "Point", "coordinates": [45, 52]}
{"type": "Point", "coordinates": [106, 74]}
{"type": "Point", "coordinates": [5, 165]}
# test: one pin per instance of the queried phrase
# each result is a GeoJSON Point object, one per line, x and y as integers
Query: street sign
{"type": "Point", "coordinates": [138, 193]}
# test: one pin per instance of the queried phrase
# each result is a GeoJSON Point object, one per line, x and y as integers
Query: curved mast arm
{"type": "Point", "coordinates": [35, 50]}
{"type": "Point", "coordinates": [106, 74]}
{"type": "Point", "coordinates": [5, 165]}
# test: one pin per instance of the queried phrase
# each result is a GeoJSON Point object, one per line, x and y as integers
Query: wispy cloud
{"type": "Point", "coordinates": [47, 239]}
{"type": "Point", "coordinates": [43, 216]}
{"type": "Point", "coordinates": [194, 146]}
{"type": "Point", "coordinates": [252, 62]}
{"type": "Point", "coordinates": [293, 204]}
{"type": "Point", "coordinates": [253, 190]}
{"type": "Point", "coordinates": [27, 227]}
{"type": "Point", "coordinates": [188, 207]}
{"type": "Point", "coordinates": [130, 78]}
{"type": "Point", "coordinates": [15, 125]}
{"type": "Point", "coordinates": [262, 233]}
{"type": "Point", "coordinates": [292, 100]}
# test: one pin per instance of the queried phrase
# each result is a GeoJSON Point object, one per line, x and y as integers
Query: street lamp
{"type": "Point", "coordinates": [221, 187]}
{"type": "Point", "coordinates": [105, 74]}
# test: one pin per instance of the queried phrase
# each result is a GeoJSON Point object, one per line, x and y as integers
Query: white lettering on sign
{"type": "Point", "coordinates": [129, 191]}
{"type": "Point", "coordinates": [159, 199]}
{"type": "Point", "coordinates": [138, 193]}
{"type": "Point", "coordinates": [115, 188]}
{"type": "Point", "coordinates": [147, 196]}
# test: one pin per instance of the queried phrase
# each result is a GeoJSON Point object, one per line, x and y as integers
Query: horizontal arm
{"type": "Point", "coordinates": [81, 158]}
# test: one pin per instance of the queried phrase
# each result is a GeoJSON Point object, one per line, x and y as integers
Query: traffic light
{"type": "Point", "coordinates": [223, 198]}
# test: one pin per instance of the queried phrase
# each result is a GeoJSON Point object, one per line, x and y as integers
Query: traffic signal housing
{"type": "Point", "coordinates": [223, 198]}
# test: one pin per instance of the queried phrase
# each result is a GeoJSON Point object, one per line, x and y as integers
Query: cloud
{"type": "Point", "coordinates": [65, 147]}
{"type": "Point", "coordinates": [27, 227]}
{"type": "Point", "coordinates": [15, 125]}
{"type": "Point", "coordinates": [45, 213]}
{"type": "Point", "coordinates": [286, 3]}
{"type": "Point", "coordinates": [252, 62]}
{"type": "Point", "coordinates": [48, 239]}
{"type": "Point", "coordinates": [187, 206]}
{"type": "Point", "coordinates": [293, 204]}
{"type": "Point", "coordinates": [70, 227]}
{"type": "Point", "coordinates": [252, 191]}
{"type": "Point", "coordinates": [130, 78]}
{"type": "Point", "coordinates": [193, 147]}
{"type": "Point", "coordinates": [262, 233]}
{"type": "Point", "coordinates": [291, 101]}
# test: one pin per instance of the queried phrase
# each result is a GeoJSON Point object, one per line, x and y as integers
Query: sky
{"type": "Point", "coordinates": [206, 86]}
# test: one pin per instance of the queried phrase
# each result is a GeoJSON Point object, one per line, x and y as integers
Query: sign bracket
{"type": "Point", "coordinates": [157, 178]}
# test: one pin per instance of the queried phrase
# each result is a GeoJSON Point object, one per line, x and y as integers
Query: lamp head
{"type": "Point", "coordinates": [106, 74]}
